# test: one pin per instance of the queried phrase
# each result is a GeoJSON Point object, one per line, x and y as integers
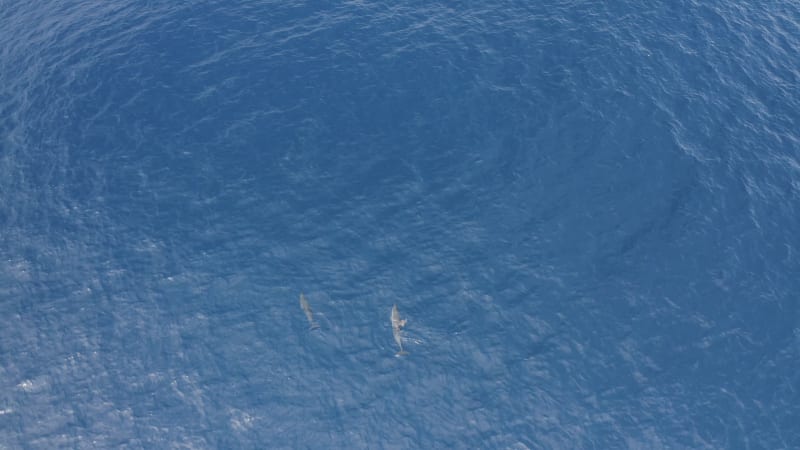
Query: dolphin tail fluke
{"type": "Point", "coordinates": [314, 326]}
{"type": "Point", "coordinates": [401, 353]}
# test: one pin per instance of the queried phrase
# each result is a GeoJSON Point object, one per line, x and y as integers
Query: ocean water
{"type": "Point", "coordinates": [588, 213]}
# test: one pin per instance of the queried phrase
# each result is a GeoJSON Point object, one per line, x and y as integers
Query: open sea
{"type": "Point", "coordinates": [587, 212]}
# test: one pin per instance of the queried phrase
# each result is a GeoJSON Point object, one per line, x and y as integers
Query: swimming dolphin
{"type": "Point", "coordinates": [397, 328]}
{"type": "Point", "coordinates": [309, 314]}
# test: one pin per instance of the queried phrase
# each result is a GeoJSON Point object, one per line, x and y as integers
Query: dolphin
{"type": "Point", "coordinates": [397, 328]}
{"type": "Point", "coordinates": [309, 314]}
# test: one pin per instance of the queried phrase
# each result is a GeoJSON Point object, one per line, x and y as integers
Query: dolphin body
{"type": "Point", "coordinates": [397, 329]}
{"type": "Point", "coordinates": [309, 314]}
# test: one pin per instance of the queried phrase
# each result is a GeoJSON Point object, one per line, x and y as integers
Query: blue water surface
{"type": "Point", "coordinates": [588, 212]}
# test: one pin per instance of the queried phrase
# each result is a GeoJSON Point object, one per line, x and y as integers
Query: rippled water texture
{"type": "Point", "coordinates": [587, 212]}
